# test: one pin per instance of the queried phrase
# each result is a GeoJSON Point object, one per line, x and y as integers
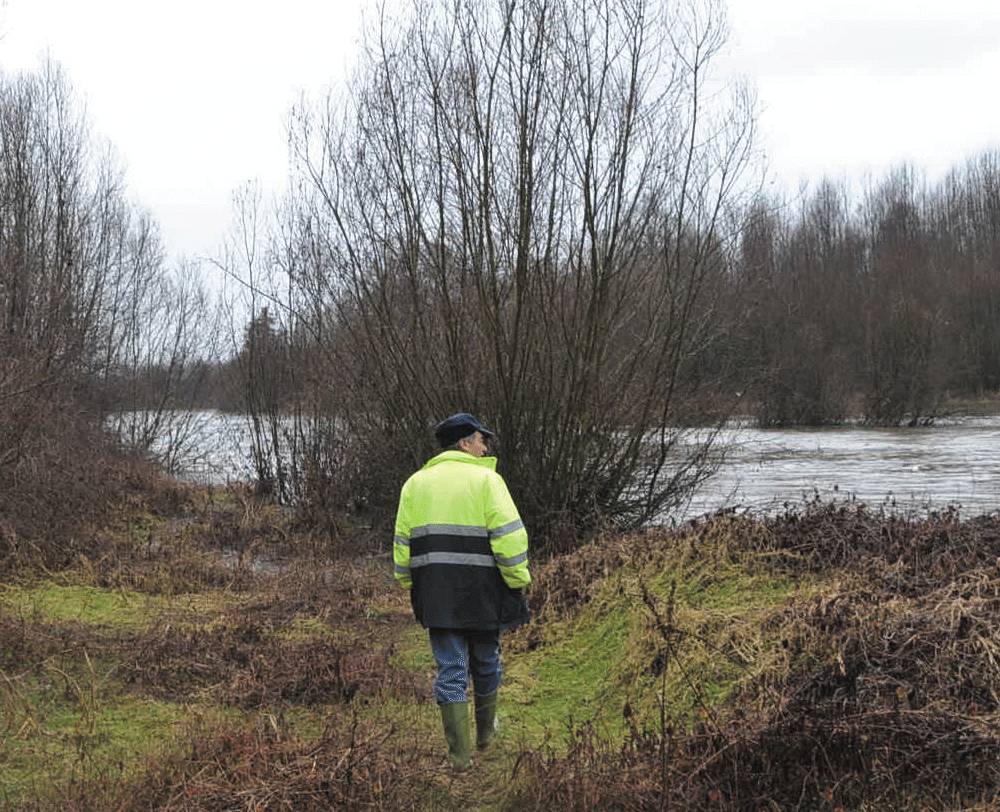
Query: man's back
{"type": "Point", "coordinates": [461, 546]}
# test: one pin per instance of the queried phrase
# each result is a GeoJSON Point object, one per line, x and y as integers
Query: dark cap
{"type": "Point", "coordinates": [450, 431]}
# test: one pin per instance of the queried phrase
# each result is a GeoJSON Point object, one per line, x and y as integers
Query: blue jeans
{"type": "Point", "coordinates": [460, 654]}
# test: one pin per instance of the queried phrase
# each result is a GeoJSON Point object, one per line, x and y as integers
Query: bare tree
{"type": "Point", "coordinates": [63, 222]}
{"type": "Point", "coordinates": [78, 264]}
{"type": "Point", "coordinates": [800, 287]}
{"type": "Point", "coordinates": [52, 209]}
{"type": "Point", "coordinates": [87, 308]}
{"type": "Point", "coordinates": [966, 249]}
{"type": "Point", "coordinates": [159, 350]}
{"type": "Point", "coordinates": [262, 377]}
{"type": "Point", "coordinates": [516, 214]}
{"type": "Point", "coordinates": [903, 306]}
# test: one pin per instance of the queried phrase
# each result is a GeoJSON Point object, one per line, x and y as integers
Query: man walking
{"type": "Point", "coordinates": [461, 549]}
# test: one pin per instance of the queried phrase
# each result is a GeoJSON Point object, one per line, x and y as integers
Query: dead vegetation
{"type": "Point", "coordinates": [882, 692]}
{"type": "Point", "coordinates": [271, 767]}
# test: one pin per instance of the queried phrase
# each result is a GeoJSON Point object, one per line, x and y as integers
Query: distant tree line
{"type": "Point", "coordinates": [881, 307]}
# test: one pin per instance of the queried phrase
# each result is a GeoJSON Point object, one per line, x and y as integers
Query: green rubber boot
{"type": "Point", "coordinates": [486, 719]}
{"type": "Point", "coordinates": [457, 733]}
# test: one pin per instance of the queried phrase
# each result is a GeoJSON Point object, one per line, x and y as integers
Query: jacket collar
{"type": "Point", "coordinates": [461, 456]}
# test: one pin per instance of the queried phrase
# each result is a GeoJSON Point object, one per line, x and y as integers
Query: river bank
{"type": "Point", "coordinates": [835, 653]}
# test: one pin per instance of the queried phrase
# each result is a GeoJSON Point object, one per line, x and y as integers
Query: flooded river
{"type": "Point", "coordinates": [909, 471]}
{"type": "Point", "coordinates": [955, 463]}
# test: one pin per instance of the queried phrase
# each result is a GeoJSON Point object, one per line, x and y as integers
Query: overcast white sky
{"type": "Point", "coordinates": [194, 93]}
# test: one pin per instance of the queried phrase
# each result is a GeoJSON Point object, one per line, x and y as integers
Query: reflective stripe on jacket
{"type": "Point", "coordinates": [460, 546]}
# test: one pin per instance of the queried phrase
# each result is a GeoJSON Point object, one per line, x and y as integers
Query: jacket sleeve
{"type": "Point", "coordinates": [508, 537]}
{"type": "Point", "coordinates": [401, 544]}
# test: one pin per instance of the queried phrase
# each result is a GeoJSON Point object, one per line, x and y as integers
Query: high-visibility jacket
{"type": "Point", "coordinates": [460, 546]}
